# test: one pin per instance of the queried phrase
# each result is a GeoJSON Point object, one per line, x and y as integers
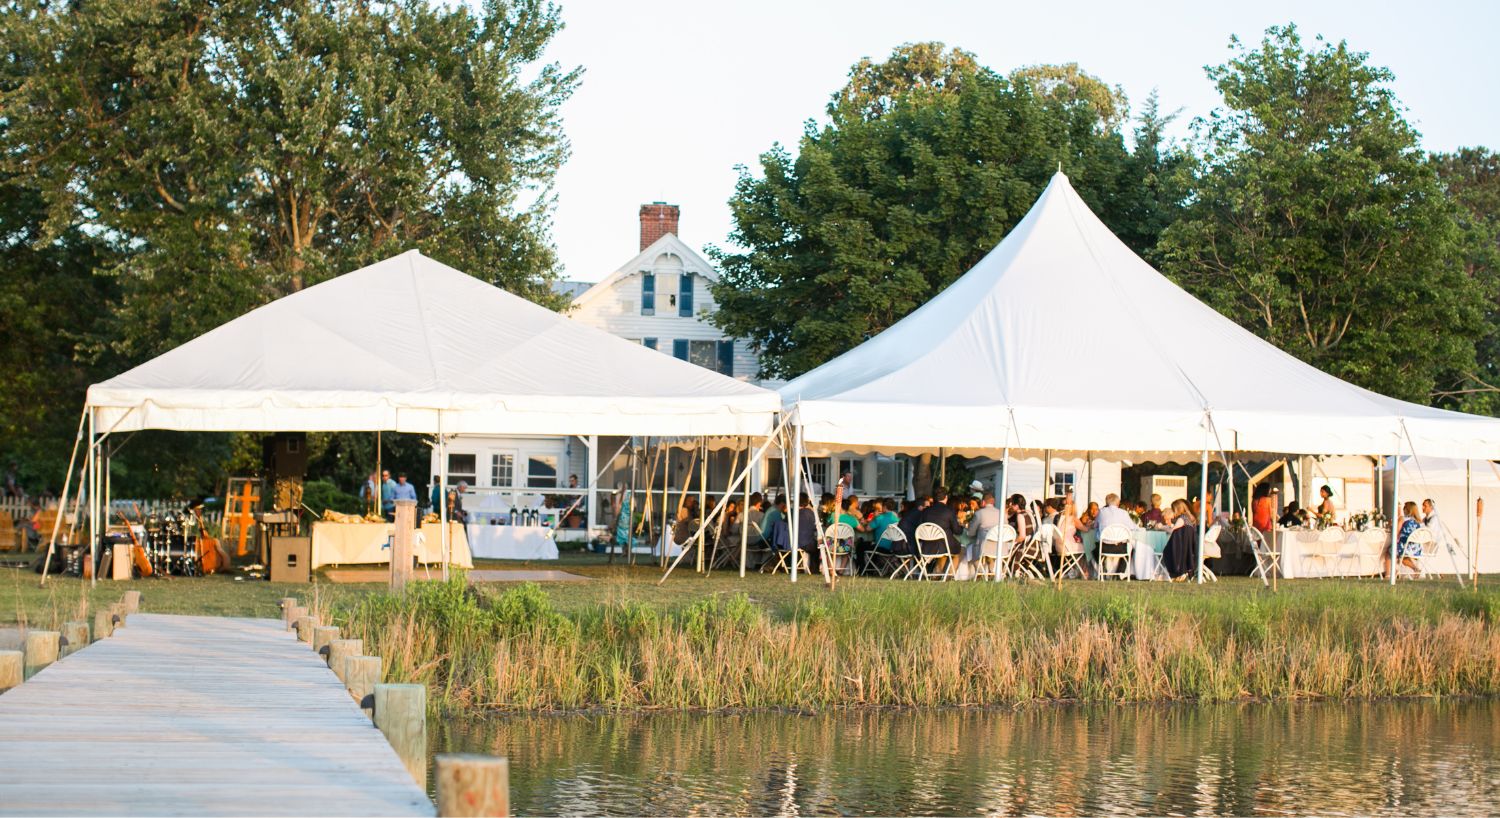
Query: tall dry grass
{"type": "Point", "coordinates": [911, 645]}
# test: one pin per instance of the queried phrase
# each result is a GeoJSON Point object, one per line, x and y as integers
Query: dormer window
{"type": "Point", "coordinates": [648, 293]}
{"type": "Point", "coordinates": [685, 295]}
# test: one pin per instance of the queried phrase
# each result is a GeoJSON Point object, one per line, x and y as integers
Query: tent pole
{"type": "Point", "coordinates": [943, 467]}
{"type": "Point", "coordinates": [591, 516]}
{"type": "Point", "coordinates": [62, 502]}
{"type": "Point", "coordinates": [1204, 508]}
{"type": "Point", "coordinates": [1395, 507]}
{"type": "Point", "coordinates": [794, 502]}
{"type": "Point", "coordinates": [999, 572]}
{"type": "Point", "coordinates": [1088, 488]}
{"type": "Point", "coordinates": [1468, 512]}
{"type": "Point", "coordinates": [378, 495]}
{"type": "Point", "coordinates": [93, 467]}
{"type": "Point", "coordinates": [666, 492]}
{"type": "Point", "coordinates": [745, 513]}
{"type": "Point", "coordinates": [442, 491]}
{"type": "Point", "coordinates": [702, 496]}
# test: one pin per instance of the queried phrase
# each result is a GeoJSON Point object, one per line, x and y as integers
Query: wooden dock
{"type": "Point", "coordinates": [189, 715]}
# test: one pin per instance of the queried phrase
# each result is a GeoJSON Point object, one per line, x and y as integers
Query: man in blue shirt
{"type": "Point", "coordinates": [403, 490]}
{"type": "Point", "coordinates": [388, 496]}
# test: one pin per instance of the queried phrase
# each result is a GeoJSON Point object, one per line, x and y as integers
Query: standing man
{"type": "Point", "coordinates": [403, 491]}
{"type": "Point", "coordinates": [388, 496]}
{"type": "Point", "coordinates": [367, 492]}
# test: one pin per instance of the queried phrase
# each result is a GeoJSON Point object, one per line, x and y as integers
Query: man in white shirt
{"type": "Point", "coordinates": [1433, 522]}
{"type": "Point", "coordinates": [1110, 515]}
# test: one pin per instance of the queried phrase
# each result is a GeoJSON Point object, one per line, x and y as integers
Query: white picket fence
{"type": "Point", "coordinates": [132, 509]}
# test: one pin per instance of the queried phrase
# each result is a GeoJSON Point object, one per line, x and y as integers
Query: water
{"type": "Point", "coordinates": [1394, 758]}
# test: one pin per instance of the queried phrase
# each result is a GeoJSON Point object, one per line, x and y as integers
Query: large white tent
{"type": "Point", "coordinates": [412, 345]}
{"type": "Point", "coordinates": [1062, 338]}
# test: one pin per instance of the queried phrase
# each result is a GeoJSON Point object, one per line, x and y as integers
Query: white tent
{"type": "Point", "coordinates": [1454, 485]}
{"type": "Point", "coordinates": [1062, 338]}
{"type": "Point", "coordinates": [412, 345]}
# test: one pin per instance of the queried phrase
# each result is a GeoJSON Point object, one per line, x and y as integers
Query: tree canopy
{"type": "Point", "coordinates": [926, 161]}
{"type": "Point", "coordinates": [180, 163]}
{"type": "Point", "coordinates": [1315, 220]}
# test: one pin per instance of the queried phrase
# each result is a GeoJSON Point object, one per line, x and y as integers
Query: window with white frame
{"type": "Point", "coordinates": [1062, 483]}
{"type": "Point", "coordinates": [541, 471]}
{"type": "Point", "coordinates": [855, 468]}
{"type": "Point", "coordinates": [502, 469]}
{"type": "Point", "coordinates": [890, 476]}
{"type": "Point", "coordinates": [463, 467]}
{"type": "Point", "coordinates": [817, 473]}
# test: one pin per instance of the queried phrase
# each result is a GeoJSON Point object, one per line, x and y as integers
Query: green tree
{"type": "Point", "coordinates": [927, 160]}
{"type": "Point", "coordinates": [1316, 221]}
{"type": "Point", "coordinates": [234, 150]}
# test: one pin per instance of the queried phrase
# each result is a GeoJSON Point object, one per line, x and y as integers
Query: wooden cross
{"type": "Point", "coordinates": [243, 517]}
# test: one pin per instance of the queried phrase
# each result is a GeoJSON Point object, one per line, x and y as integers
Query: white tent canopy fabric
{"type": "Point", "coordinates": [412, 345]}
{"type": "Point", "coordinates": [1063, 338]}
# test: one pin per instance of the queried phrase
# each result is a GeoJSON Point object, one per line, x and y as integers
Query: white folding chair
{"type": "Point", "coordinates": [991, 555]}
{"type": "Point", "coordinates": [932, 533]}
{"type": "Point", "coordinates": [1354, 550]}
{"type": "Point", "coordinates": [1331, 542]}
{"type": "Point", "coordinates": [1114, 544]}
{"type": "Point", "coordinates": [1030, 557]}
{"type": "Point", "coordinates": [900, 557]}
{"type": "Point", "coordinates": [1211, 550]}
{"type": "Point", "coordinates": [1424, 541]}
{"type": "Point", "coordinates": [1069, 553]}
{"type": "Point", "coordinates": [838, 542]}
{"type": "Point", "coordinates": [1310, 552]}
{"type": "Point", "coordinates": [1267, 558]}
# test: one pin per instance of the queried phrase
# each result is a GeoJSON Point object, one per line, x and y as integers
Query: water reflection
{"type": "Point", "coordinates": [1327, 759]}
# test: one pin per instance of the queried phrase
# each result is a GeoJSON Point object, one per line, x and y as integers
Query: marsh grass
{"type": "Point", "coordinates": [890, 644]}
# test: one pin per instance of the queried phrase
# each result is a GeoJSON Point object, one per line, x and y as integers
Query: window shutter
{"type": "Point", "coordinates": [649, 343]}
{"type": "Point", "coordinates": [685, 295]}
{"type": "Point", "coordinates": [726, 358]}
{"type": "Point", "coordinates": [648, 293]}
{"type": "Point", "coordinates": [680, 348]}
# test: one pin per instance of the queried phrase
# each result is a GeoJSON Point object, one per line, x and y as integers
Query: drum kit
{"type": "Point", "coordinates": [163, 544]}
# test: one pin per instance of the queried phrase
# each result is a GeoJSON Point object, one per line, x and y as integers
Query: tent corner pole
{"type": "Point", "coordinates": [745, 511]}
{"type": "Point", "coordinates": [442, 491]}
{"type": "Point", "coordinates": [1395, 506]}
{"type": "Point", "coordinates": [62, 502]}
{"type": "Point", "coordinates": [1204, 508]}
{"type": "Point", "coordinates": [794, 502]}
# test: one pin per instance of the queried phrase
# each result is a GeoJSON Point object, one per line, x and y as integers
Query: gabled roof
{"type": "Point", "coordinates": [1062, 338]}
{"type": "Point", "coordinates": [642, 262]}
{"type": "Point", "coordinates": [410, 344]}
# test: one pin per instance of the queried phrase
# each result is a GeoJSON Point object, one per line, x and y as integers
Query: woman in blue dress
{"type": "Point", "coordinates": [1406, 551]}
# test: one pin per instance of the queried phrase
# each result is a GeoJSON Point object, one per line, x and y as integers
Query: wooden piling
{"type": "Point", "coordinates": [12, 669]}
{"type": "Point", "coordinates": [104, 625]}
{"type": "Point", "coordinates": [305, 625]}
{"type": "Point", "coordinates": [472, 786]}
{"type": "Point", "coordinates": [341, 649]}
{"type": "Point", "coordinates": [286, 605]}
{"type": "Point", "coordinates": [40, 649]}
{"type": "Point", "coordinates": [75, 637]}
{"type": "Point", "coordinates": [118, 614]}
{"type": "Point", "coordinates": [361, 674]}
{"type": "Point", "coordinates": [293, 614]}
{"type": "Point", "coordinates": [132, 601]}
{"type": "Point", "coordinates": [321, 636]}
{"type": "Point", "coordinates": [403, 543]}
{"type": "Point", "coordinates": [401, 714]}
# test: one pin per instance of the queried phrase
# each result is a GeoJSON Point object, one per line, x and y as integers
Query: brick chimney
{"type": "Point", "coordinates": [657, 220]}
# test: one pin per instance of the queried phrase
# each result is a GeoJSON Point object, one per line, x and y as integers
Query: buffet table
{"type": "Point", "coordinates": [512, 542]}
{"type": "Point", "coordinates": [369, 543]}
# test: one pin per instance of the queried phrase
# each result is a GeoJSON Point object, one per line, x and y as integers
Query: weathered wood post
{"type": "Point", "coordinates": [401, 714]}
{"type": "Point", "coordinates": [321, 636]}
{"type": "Point", "coordinates": [40, 649]}
{"type": "Point", "coordinates": [117, 613]}
{"type": "Point", "coordinates": [293, 614]}
{"type": "Point", "coordinates": [286, 605]}
{"type": "Point", "coordinates": [340, 650]}
{"type": "Point", "coordinates": [75, 637]}
{"type": "Point", "coordinates": [472, 786]}
{"type": "Point", "coordinates": [12, 672]}
{"type": "Point", "coordinates": [361, 674]}
{"type": "Point", "coordinates": [131, 601]}
{"type": "Point", "coordinates": [305, 625]}
{"type": "Point", "coordinates": [402, 543]}
{"type": "Point", "coordinates": [104, 625]}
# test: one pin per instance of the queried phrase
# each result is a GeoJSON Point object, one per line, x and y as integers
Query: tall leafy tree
{"type": "Point", "coordinates": [924, 163]}
{"type": "Point", "coordinates": [1316, 221]}
{"type": "Point", "coordinates": [1472, 178]}
{"type": "Point", "coordinates": [235, 150]}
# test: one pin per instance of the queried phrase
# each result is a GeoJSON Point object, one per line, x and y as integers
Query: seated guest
{"type": "Point", "coordinates": [729, 526]}
{"type": "Point", "coordinates": [1090, 514]}
{"type": "Point", "coordinates": [1154, 516]}
{"type": "Point", "coordinates": [1407, 552]}
{"type": "Point", "coordinates": [807, 533]}
{"type": "Point", "coordinates": [1293, 516]}
{"type": "Point", "coordinates": [883, 519]}
{"type": "Point", "coordinates": [775, 514]}
{"type": "Point", "coordinates": [981, 523]}
{"type": "Point", "coordinates": [1181, 554]}
{"type": "Point", "coordinates": [913, 517]}
{"type": "Point", "coordinates": [755, 513]}
{"type": "Point", "coordinates": [685, 526]}
{"type": "Point", "coordinates": [942, 515]}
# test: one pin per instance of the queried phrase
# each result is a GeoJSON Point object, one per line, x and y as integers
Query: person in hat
{"type": "Point", "coordinates": [976, 489]}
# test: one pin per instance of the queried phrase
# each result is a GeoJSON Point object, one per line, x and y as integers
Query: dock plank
{"type": "Point", "coordinates": [185, 715]}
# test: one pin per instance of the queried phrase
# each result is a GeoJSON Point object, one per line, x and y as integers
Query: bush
{"type": "Point", "coordinates": [320, 495]}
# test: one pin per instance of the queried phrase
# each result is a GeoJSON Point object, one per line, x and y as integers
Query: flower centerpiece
{"type": "Point", "coordinates": [1360, 520]}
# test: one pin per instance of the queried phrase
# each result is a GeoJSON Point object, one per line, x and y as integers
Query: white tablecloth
{"type": "Point", "coordinates": [1145, 547]}
{"type": "Point", "coordinates": [1302, 555]}
{"type": "Point", "coordinates": [512, 542]}
{"type": "Point", "coordinates": [369, 543]}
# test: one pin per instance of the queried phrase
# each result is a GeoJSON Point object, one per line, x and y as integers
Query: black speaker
{"type": "Point", "coordinates": [286, 454]}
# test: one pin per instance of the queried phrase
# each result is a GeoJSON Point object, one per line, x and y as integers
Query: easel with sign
{"type": "Point", "coordinates": [240, 504]}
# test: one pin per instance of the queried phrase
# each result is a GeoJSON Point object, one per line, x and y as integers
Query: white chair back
{"type": "Point", "coordinates": [1212, 535]}
{"type": "Point", "coordinates": [891, 535]}
{"type": "Point", "coordinates": [840, 532]}
{"type": "Point", "coordinates": [1374, 538]}
{"type": "Point", "coordinates": [1114, 535]}
{"type": "Point", "coordinates": [1051, 538]}
{"type": "Point", "coordinates": [931, 532]}
{"type": "Point", "coordinates": [1422, 536]}
{"type": "Point", "coordinates": [1331, 534]}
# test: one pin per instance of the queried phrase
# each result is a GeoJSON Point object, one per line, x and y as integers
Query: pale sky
{"type": "Point", "coordinates": [676, 93]}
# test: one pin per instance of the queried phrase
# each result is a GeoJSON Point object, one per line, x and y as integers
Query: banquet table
{"type": "Point", "coordinates": [1146, 547]}
{"type": "Point", "coordinates": [1303, 554]}
{"type": "Point", "coordinates": [512, 542]}
{"type": "Point", "coordinates": [369, 543]}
